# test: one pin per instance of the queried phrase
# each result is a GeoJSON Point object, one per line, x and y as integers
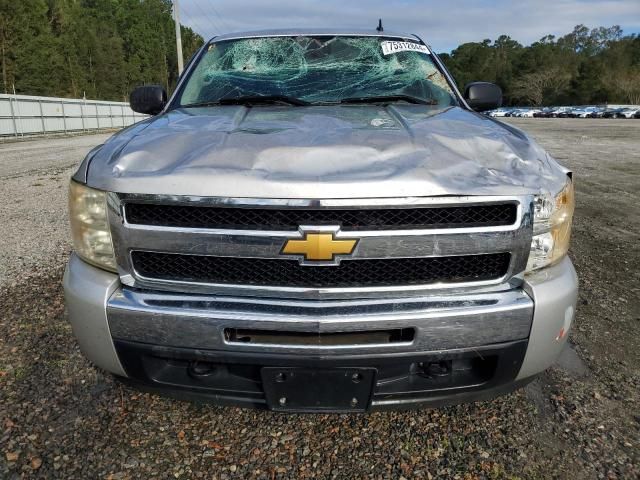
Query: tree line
{"type": "Point", "coordinates": [596, 66]}
{"type": "Point", "coordinates": [104, 48]}
{"type": "Point", "coordinates": [98, 48]}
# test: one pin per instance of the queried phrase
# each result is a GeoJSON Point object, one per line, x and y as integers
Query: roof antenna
{"type": "Point", "coordinates": [380, 29]}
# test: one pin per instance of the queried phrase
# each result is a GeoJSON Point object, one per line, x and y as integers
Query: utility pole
{"type": "Point", "coordinates": [176, 17]}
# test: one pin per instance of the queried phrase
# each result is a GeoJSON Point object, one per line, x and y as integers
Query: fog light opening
{"type": "Point", "coordinates": [201, 369]}
{"type": "Point", "coordinates": [440, 368]}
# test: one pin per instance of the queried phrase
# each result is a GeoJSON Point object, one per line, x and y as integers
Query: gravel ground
{"type": "Point", "coordinates": [62, 418]}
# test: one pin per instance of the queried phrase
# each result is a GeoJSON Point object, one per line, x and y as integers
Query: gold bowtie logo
{"type": "Point", "coordinates": [319, 247]}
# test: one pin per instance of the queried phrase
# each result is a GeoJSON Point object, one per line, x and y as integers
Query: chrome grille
{"type": "Point", "coordinates": [234, 256]}
{"type": "Point", "coordinates": [289, 273]}
{"type": "Point", "coordinates": [233, 218]}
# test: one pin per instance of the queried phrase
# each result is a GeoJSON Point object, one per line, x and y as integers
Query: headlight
{"type": "Point", "coordinates": [551, 227]}
{"type": "Point", "coordinates": [90, 226]}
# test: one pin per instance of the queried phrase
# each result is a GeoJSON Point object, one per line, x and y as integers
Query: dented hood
{"type": "Point", "coordinates": [358, 151]}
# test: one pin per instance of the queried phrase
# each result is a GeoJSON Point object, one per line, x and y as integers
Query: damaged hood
{"type": "Point", "coordinates": [358, 151]}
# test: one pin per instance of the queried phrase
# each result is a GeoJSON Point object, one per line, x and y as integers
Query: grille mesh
{"type": "Point", "coordinates": [350, 273]}
{"type": "Point", "coordinates": [289, 219]}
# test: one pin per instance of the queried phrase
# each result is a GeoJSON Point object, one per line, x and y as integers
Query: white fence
{"type": "Point", "coordinates": [27, 115]}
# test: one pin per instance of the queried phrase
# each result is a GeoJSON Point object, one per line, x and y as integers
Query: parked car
{"type": "Point", "coordinates": [517, 112]}
{"type": "Point", "coordinates": [559, 111]}
{"type": "Point", "coordinates": [530, 113]}
{"type": "Point", "coordinates": [284, 241]}
{"type": "Point", "coordinates": [637, 114]}
{"type": "Point", "coordinates": [613, 113]}
{"type": "Point", "coordinates": [582, 112]}
{"type": "Point", "coordinates": [597, 112]}
{"type": "Point", "coordinates": [499, 112]}
{"type": "Point", "coordinates": [629, 112]}
{"type": "Point", "coordinates": [544, 113]}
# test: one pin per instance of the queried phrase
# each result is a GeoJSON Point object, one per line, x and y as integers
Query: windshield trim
{"type": "Point", "coordinates": [173, 102]}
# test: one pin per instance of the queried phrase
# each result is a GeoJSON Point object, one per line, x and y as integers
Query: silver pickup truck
{"type": "Point", "coordinates": [320, 221]}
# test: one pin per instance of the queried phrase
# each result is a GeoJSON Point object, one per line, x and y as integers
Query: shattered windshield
{"type": "Point", "coordinates": [317, 70]}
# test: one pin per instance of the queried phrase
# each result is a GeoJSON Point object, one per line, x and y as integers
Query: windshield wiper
{"type": "Point", "coordinates": [390, 99]}
{"type": "Point", "coordinates": [251, 100]}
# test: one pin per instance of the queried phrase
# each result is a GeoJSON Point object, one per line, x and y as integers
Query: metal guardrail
{"type": "Point", "coordinates": [22, 115]}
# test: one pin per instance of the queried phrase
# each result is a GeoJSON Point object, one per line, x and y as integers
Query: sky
{"type": "Point", "coordinates": [442, 24]}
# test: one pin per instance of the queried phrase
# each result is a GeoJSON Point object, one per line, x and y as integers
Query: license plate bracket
{"type": "Point", "coordinates": [318, 390]}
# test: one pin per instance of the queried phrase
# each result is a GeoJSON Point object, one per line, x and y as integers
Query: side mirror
{"type": "Point", "coordinates": [483, 96]}
{"type": "Point", "coordinates": [149, 99]}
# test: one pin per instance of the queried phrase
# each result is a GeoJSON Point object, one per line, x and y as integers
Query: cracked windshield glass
{"type": "Point", "coordinates": [316, 70]}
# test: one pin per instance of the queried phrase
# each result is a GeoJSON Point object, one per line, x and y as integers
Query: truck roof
{"type": "Point", "coordinates": [294, 32]}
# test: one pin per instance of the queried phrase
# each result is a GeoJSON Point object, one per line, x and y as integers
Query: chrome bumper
{"type": "Point", "coordinates": [439, 323]}
{"type": "Point", "coordinates": [103, 313]}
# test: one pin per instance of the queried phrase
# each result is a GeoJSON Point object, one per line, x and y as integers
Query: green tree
{"type": "Point", "coordinates": [583, 67]}
{"type": "Point", "coordinates": [97, 48]}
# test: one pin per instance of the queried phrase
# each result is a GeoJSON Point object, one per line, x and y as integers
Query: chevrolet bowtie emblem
{"type": "Point", "coordinates": [319, 247]}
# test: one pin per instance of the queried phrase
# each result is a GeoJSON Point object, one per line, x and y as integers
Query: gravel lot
{"type": "Point", "coordinates": [62, 418]}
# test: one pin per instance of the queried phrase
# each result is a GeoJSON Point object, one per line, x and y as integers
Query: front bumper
{"type": "Point", "coordinates": [479, 344]}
